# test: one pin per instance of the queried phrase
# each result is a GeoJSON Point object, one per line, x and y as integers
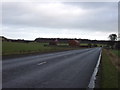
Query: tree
{"type": "Point", "coordinates": [113, 37]}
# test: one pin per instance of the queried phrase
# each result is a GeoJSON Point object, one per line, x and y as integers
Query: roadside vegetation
{"type": "Point", "coordinates": [11, 48]}
{"type": "Point", "coordinates": [110, 64]}
{"type": "Point", "coordinates": [109, 70]}
{"type": "Point", "coordinates": [117, 52]}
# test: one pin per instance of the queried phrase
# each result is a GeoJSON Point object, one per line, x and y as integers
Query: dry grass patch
{"type": "Point", "coordinates": [114, 59]}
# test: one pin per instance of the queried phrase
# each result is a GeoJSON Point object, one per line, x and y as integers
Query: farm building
{"type": "Point", "coordinates": [55, 42]}
{"type": "Point", "coordinates": [74, 43]}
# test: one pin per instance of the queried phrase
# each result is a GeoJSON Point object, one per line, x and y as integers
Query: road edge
{"type": "Point", "coordinates": [93, 77]}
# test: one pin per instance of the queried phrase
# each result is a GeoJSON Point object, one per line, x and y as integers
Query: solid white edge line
{"type": "Point", "coordinates": [93, 78]}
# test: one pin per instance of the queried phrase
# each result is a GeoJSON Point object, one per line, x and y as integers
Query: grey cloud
{"type": "Point", "coordinates": [94, 5]}
{"type": "Point", "coordinates": [101, 16]}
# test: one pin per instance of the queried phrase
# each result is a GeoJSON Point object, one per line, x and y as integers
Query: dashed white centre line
{"type": "Point", "coordinates": [41, 63]}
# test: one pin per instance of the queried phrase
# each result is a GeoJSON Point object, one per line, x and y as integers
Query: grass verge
{"type": "Point", "coordinates": [117, 52]}
{"type": "Point", "coordinates": [109, 77]}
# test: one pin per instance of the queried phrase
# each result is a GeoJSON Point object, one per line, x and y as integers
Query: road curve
{"type": "Point", "coordinates": [68, 69]}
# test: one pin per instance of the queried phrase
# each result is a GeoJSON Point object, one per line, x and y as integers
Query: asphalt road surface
{"type": "Point", "coordinates": [68, 69]}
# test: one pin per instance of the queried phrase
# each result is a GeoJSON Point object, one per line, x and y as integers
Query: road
{"type": "Point", "coordinates": [67, 69]}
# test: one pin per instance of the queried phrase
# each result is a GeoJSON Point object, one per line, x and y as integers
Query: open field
{"type": "Point", "coordinates": [109, 73]}
{"type": "Point", "coordinates": [9, 48]}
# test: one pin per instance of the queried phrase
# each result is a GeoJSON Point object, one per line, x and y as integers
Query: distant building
{"type": "Point", "coordinates": [55, 42]}
{"type": "Point", "coordinates": [74, 43]}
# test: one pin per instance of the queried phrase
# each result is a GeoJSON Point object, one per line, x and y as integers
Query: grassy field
{"type": "Point", "coordinates": [9, 48]}
{"type": "Point", "coordinates": [93, 44]}
{"type": "Point", "coordinates": [109, 74]}
{"type": "Point", "coordinates": [117, 52]}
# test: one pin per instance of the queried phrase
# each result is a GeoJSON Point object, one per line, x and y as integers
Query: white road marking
{"type": "Point", "coordinates": [93, 78]}
{"type": "Point", "coordinates": [41, 63]}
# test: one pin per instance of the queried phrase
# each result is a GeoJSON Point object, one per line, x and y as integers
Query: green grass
{"type": "Point", "coordinates": [117, 52]}
{"type": "Point", "coordinates": [83, 44]}
{"type": "Point", "coordinates": [9, 48]}
{"type": "Point", "coordinates": [63, 44]}
{"type": "Point", "coordinates": [109, 78]}
{"type": "Point", "coordinates": [92, 44]}
{"type": "Point", "coordinates": [101, 45]}
{"type": "Point", "coordinates": [18, 48]}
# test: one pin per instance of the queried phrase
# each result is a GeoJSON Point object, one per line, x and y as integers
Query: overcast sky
{"type": "Point", "coordinates": [88, 20]}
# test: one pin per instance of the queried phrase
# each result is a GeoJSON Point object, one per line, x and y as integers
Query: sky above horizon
{"type": "Point", "coordinates": [88, 20]}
